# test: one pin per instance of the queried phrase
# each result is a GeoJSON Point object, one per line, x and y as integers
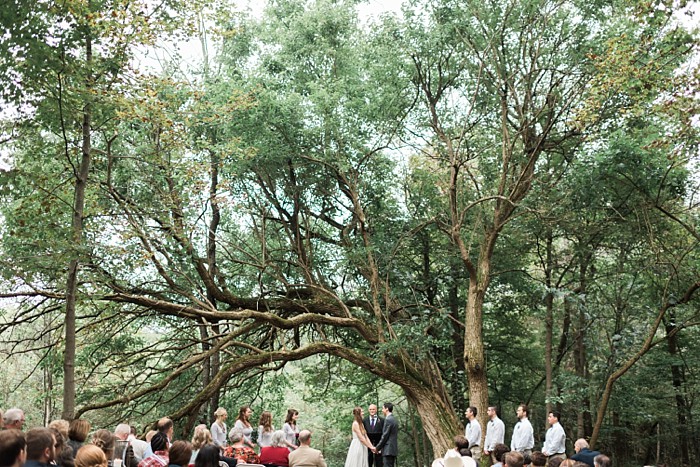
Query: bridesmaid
{"type": "Point", "coordinates": [243, 425]}
{"type": "Point", "coordinates": [218, 428]}
{"type": "Point", "coordinates": [265, 429]}
{"type": "Point", "coordinates": [290, 428]}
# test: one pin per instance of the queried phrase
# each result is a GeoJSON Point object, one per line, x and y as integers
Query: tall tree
{"type": "Point", "coordinates": [59, 62]}
{"type": "Point", "coordinates": [365, 194]}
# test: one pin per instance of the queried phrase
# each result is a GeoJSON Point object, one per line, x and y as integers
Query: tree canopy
{"type": "Point", "coordinates": [483, 203]}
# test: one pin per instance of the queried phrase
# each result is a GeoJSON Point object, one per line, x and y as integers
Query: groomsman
{"type": "Point", "coordinates": [373, 426]}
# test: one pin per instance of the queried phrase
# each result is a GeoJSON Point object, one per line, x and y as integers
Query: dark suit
{"type": "Point", "coordinates": [389, 442]}
{"type": "Point", "coordinates": [586, 456]}
{"type": "Point", "coordinates": [374, 434]}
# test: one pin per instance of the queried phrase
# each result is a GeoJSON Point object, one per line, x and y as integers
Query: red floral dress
{"type": "Point", "coordinates": [242, 454]}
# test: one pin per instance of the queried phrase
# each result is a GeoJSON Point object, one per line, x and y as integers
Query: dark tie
{"type": "Point", "coordinates": [372, 422]}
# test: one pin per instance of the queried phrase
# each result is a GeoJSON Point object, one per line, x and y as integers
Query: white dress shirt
{"type": "Point", "coordinates": [554, 440]}
{"type": "Point", "coordinates": [473, 433]}
{"type": "Point", "coordinates": [495, 433]}
{"type": "Point", "coordinates": [523, 437]}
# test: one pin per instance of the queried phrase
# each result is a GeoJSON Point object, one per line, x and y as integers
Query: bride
{"type": "Point", "coordinates": [357, 454]}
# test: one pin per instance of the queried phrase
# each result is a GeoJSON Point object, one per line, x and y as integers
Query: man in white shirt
{"type": "Point", "coordinates": [473, 433]}
{"type": "Point", "coordinates": [555, 439]}
{"type": "Point", "coordinates": [523, 439]}
{"type": "Point", "coordinates": [138, 445]}
{"type": "Point", "coordinates": [123, 451]}
{"type": "Point", "coordinates": [495, 432]}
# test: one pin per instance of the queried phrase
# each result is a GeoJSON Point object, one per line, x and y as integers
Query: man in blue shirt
{"type": "Point", "coordinates": [583, 453]}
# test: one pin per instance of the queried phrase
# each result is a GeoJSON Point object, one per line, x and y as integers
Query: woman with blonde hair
{"type": "Point", "coordinates": [62, 426]}
{"type": "Point", "coordinates": [265, 429]}
{"type": "Point", "coordinates": [90, 456]}
{"type": "Point", "coordinates": [201, 438]}
{"type": "Point", "coordinates": [218, 428]}
{"type": "Point", "coordinates": [357, 453]}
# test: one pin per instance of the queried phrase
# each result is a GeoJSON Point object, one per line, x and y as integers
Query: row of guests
{"type": "Point", "coordinates": [275, 452]}
{"type": "Point", "coordinates": [244, 426]}
{"type": "Point", "coordinates": [43, 447]}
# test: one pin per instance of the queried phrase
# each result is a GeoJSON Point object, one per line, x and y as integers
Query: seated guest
{"type": "Point", "coordinates": [583, 452]}
{"type": "Point", "coordinates": [160, 447]}
{"type": "Point", "coordinates": [499, 450]}
{"type": "Point", "coordinates": [105, 440]}
{"type": "Point", "coordinates": [62, 426]}
{"type": "Point", "coordinates": [13, 419]}
{"type": "Point", "coordinates": [453, 456]}
{"type": "Point", "coordinates": [276, 453]}
{"type": "Point", "coordinates": [305, 455]}
{"type": "Point", "coordinates": [462, 447]}
{"type": "Point", "coordinates": [572, 463]}
{"type": "Point", "coordinates": [601, 460]}
{"type": "Point", "coordinates": [239, 450]}
{"type": "Point", "coordinates": [64, 453]}
{"type": "Point", "coordinates": [201, 437]}
{"type": "Point", "coordinates": [555, 462]}
{"type": "Point", "coordinates": [208, 456]}
{"type": "Point", "coordinates": [139, 446]}
{"type": "Point", "coordinates": [538, 459]}
{"type": "Point", "coordinates": [77, 433]}
{"type": "Point", "coordinates": [513, 459]}
{"type": "Point", "coordinates": [122, 446]}
{"type": "Point", "coordinates": [40, 447]}
{"type": "Point", "coordinates": [179, 454]}
{"type": "Point", "coordinates": [13, 448]}
{"type": "Point", "coordinates": [165, 426]}
{"type": "Point", "coordinates": [90, 456]}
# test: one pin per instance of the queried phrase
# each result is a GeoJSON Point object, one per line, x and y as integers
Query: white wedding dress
{"type": "Point", "coordinates": [357, 453]}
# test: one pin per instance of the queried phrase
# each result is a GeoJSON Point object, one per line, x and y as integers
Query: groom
{"type": "Point", "coordinates": [388, 445]}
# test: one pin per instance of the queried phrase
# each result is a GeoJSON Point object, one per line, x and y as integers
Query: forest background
{"type": "Point", "coordinates": [461, 203]}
